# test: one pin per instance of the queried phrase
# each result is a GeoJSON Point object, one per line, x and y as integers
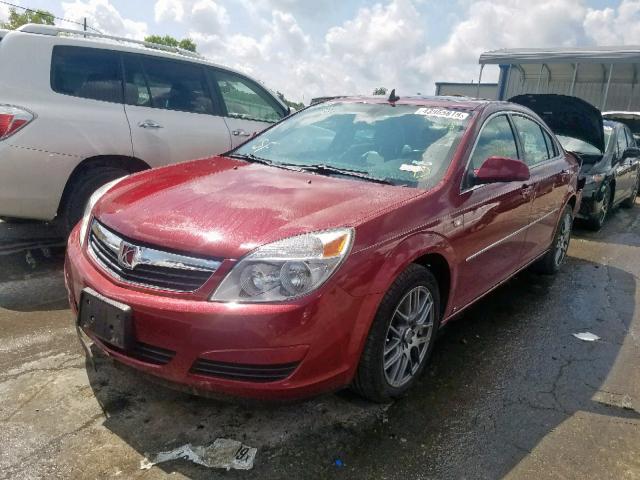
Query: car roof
{"type": "Point", "coordinates": [89, 39]}
{"type": "Point", "coordinates": [462, 103]}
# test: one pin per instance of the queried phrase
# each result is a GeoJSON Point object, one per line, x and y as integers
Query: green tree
{"type": "Point", "coordinates": [17, 19]}
{"type": "Point", "coordinates": [168, 40]}
{"type": "Point", "coordinates": [380, 91]}
{"type": "Point", "coordinates": [289, 103]}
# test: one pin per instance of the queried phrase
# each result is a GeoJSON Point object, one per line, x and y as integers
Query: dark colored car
{"type": "Point", "coordinates": [324, 252]}
{"type": "Point", "coordinates": [610, 159]}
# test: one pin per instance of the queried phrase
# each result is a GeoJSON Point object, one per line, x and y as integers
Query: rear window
{"type": "Point", "coordinates": [87, 72]}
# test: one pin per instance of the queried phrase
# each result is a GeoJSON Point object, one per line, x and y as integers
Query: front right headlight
{"type": "Point", "coordinates": [93, 199]}
{"type": "Point", "coordinates": [286, 269]}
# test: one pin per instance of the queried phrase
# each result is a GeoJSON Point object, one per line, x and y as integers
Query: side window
{"type": "Point", "coordinates": [87, 72]}
{"type": "Point", "coordinates": [166, 84]}
{"type": "Point", "coordinates": [532, 140]}
{"type": "Point", "coordinates": [136, 90]}
{"type": "Point", "coordinates": [246, 100]}
{"type": "Point", "coordinates": [552, 149]}
{"type": "Point", "coordinates": [622, 141]}
{"type": "Point", "coordinates": [631, 142]}
{"type": "Point", "coordinates": [496, 140]}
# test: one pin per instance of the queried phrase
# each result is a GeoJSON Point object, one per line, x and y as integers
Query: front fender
{"type": "Point", "coordinates": [409, 250]}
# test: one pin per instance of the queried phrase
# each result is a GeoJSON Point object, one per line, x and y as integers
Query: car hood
{"type": "Point", "coordinates": [567, 116]}
{"type": "Point", "coordinates": [225, 207]}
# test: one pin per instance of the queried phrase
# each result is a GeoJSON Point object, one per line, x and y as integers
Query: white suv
{"type": "Point", "coordinates": [78, 110]}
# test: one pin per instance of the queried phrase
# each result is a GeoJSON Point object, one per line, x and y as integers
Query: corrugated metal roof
{"type": "Point", "coordinates": [621, 54]}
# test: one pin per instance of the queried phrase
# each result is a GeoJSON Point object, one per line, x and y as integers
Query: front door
{"type": "Point", "coordinates": [493, 217]}
{"type": "Point", "coordinates": [248, 108]}
{"type": "Point", "coordinates": [172, 115]}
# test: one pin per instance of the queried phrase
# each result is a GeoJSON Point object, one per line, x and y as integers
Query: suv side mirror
{"type": "Point", "coordinates": [501, 169]}
{"type": "Point", "coordinates": [631, 152]}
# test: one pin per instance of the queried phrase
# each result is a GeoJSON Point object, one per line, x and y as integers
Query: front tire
{"type": "Point", "coordinates": [551, 262]}
{"type": "Point", "coordinates": [401, 336]}
{"type": "Point", "coordinates": [631, 201]}
{"type": "Point", "coordinates": [73, 208]}
{"type": "Point", "coordinates": [596, 221]}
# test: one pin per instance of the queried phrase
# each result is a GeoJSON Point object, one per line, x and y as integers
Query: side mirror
{"type": "Point", "coordinates": [501, 169]}
{"type": "Point", "coordinates": [631, 152]}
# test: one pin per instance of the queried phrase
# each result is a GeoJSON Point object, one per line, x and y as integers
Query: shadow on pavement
{"type": "Point", "coordinates": [502, 377]}
{"type": "Point", "coordinates": [31, 268]}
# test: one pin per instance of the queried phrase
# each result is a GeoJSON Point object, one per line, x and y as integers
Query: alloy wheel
{"type": "Point", "coordinates": [604, 208]}
{"type": "Point", "coordinates": [408, 336]}
{"type": "Point", "coordinates": [564, 236]}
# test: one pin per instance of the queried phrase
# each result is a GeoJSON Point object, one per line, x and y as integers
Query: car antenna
{"type": "Point", "coordinates": [393, 98]}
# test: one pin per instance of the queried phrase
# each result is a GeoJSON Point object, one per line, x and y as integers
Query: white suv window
{"type": "Point", "coordinates": [243, 99]}
{"type": "Point", "coordinates": [168, 84]}
{"type": "Point", "coordinates": [87, 72]}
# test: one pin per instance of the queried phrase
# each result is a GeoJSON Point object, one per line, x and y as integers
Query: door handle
{"type": "Point", "coordinates": [565, 175]}
{"type": "Point", "coordinates": [240, 133]}
{"type": "Point", "coordinates": [149, 124]}
{"type": "Point", "coordinates": [526, 190]}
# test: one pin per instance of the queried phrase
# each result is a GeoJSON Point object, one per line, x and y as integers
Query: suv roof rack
{"type": "Point", "coordinates": [55, 31]}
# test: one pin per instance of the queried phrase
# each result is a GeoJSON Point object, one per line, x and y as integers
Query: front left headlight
{"type": "Point", "coordinates": [286, 269]}
{"type": "Point", "coordinates": [93, 199]}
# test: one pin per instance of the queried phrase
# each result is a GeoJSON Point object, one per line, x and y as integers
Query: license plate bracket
{"type": "Point", "coordinates": [107, 319]}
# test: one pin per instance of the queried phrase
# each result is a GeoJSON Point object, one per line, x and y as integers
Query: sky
{"type": "Point", "coordinates": [314, 48]}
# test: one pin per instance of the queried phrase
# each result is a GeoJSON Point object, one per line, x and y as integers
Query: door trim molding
{"type": "Point", "coordinates": [512, 234]}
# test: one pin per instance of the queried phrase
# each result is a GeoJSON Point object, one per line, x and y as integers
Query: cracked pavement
{"type": "Point", "coordinates": [509, 392]}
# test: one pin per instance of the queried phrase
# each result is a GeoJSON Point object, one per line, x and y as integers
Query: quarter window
{"type": "Point", "coordinates": [532, 140]}
{"type": "Point", "coordinates": [167, 84]}
{"type": "Point", "coordinates": [496, 140]}
{"type": "Point", "coordinates": [87, 72]}
{"type": "Point", "coordinates": [246, 100]}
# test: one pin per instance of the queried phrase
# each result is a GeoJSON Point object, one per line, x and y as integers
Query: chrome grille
{"type": "Point", "coordinates": [147, 266]}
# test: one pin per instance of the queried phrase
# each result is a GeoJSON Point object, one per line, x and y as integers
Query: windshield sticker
{"type": "Point", "coordinates": [442, 113]}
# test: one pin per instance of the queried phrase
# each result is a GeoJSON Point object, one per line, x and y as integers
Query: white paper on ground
{"type": "Point", "coordinates": [223, 453]}
{"type": "Point", "coordinates": [586, 336]}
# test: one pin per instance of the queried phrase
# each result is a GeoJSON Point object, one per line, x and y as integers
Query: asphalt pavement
{"type": "Point", "coordinates": [510, 392]}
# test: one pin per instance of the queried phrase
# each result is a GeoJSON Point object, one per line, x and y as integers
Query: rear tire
{"type": "Point", "coordinates": [596, 221]}
{"type": "Point", "coordinates": [551, 262]}
{"type": "Point", "coordinates": [631, 201]}
{"type": "Point", "coordinates": [79, 192]}
{"type": "Point", "coordinates": [397, 333]}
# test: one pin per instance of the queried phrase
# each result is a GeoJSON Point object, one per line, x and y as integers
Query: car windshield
{"type": "Point", "coordinates": [579, 146]}
{"type": "Point", "coordinates": [407, 145]}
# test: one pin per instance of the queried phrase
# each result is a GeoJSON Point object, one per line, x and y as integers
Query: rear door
{"type": "Point", "coordinates": [550, 176]}
{"type": "Point", "coordinates": [248, 108]}
{"type": "Point", "coordinates": [172, 114]}
{"type": "Point", "coordinates": [494, 216]}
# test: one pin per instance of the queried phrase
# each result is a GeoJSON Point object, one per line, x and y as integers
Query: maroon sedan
{"type": "Point", "coordinates": [324, 252]}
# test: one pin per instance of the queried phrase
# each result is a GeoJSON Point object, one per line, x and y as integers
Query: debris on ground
{"type": "Point", "coordinates": [223, 453]}
{"type": "Point", "coordinates": [586, 336]}
{"type": "Point", "coordinates": [338, 463]}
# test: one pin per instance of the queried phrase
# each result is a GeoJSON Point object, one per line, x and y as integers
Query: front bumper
{"type": "Point", "coordinates": [223, 347]}
{"type": "Point", "coordinates": [591, 200]}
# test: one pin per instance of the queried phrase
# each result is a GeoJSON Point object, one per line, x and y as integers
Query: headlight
{"type": "Point", "coordinates": [93, 199]}
{"type": "Point", "coordinates": [598, 177]}
{"type": "Point", "coordinates": [286, 269]}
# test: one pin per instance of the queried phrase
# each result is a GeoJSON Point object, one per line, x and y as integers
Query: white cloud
{"type": "Point", "coordinates": [102, 15]}
{"type": "Point", "coordinates": [615, 26]}
{"type": "Point", "coordinates": [385, 44]}
{"type": "Point", "coordinates": [208, 16]}
{"type": "Point", "coordinates": [168, 10]}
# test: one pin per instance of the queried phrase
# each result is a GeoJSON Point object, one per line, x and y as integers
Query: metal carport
{"type": "Point", "coordinates": [606, 77]}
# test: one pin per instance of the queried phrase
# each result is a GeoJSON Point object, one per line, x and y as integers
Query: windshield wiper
{"type": "Point", "coordinates": [250, 157]}
{"type": "Point", "coordinates": [324, 169]}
